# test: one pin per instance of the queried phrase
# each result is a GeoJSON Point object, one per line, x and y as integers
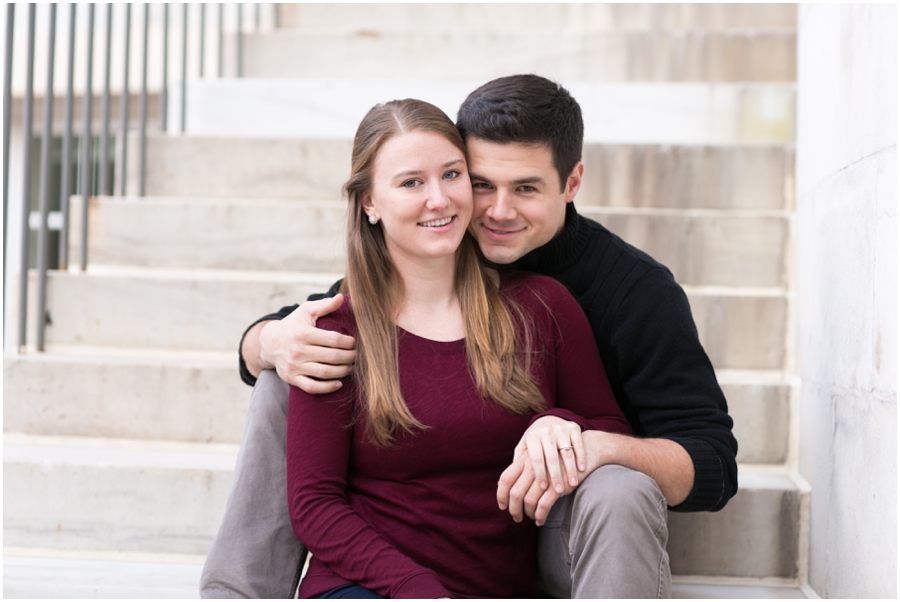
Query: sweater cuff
{"type": "Point", "coordinates": [422, 585]}
{"type": "Point", "coordinates": [708, 492]}
{"type": "Point", "coordinates": [565, 415]}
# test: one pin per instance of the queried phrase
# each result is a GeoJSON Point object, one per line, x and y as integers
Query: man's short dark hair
{"type": "Point", "coordinates": [526, 109]}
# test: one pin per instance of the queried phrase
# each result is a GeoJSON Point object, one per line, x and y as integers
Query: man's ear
{"type": "Point", "coordinates": [573, 182]}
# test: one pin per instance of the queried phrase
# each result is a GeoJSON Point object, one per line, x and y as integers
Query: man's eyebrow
{"type": "Point", "coordinates": [531, 180]}
{"type": "Point", "coordinates": [418, 172]}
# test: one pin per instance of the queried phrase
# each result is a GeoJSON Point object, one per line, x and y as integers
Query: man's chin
{"type": "Point", "coordinates": [499, 255]}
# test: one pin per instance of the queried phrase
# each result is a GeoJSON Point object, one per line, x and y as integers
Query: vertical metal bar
{"type": "Point", "coordinates": [46, 147]}
{"type": "Point", "coordinates": [240, 39]}
{"type": "Point", "coordinates": [184, 38]}
{"type": "Point", "coordinates": [7, 115]}
{"type": "Point", "coordinates": [123, 161]}
{"type": "Point", "coordinates": [143, 149]}
{"type": "Point", "coordinates": [202, 36]}
{"type": "Point", "coordinates": [221, 35]}
{"type": "Point", "coordinates": [86, 145]}
{"type": "Point", "coordinates": [65, 187]}
{"type": "Point", "coordinates": [164, 97]}
{"type": "Point", "coordinates": [103, 177]}
{"type": "Point", "coordinates": [26, 182]}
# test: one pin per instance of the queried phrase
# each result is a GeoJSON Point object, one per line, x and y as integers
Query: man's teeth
{"type": "Point", "coordinates": [437, 223]}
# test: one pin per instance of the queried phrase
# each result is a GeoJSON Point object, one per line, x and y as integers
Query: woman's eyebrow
{"type": "Point", "coordinates": [418, 172]}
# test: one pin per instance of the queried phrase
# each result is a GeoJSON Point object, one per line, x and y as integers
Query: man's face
{"type": "Point", "coordinates": [519, 204]}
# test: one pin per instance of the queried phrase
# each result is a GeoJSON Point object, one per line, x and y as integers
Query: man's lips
{"type": "Point", "coordinates": [500, 233]}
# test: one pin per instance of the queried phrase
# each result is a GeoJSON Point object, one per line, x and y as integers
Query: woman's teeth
{"type": "Point", "coordinates": [437, 223]}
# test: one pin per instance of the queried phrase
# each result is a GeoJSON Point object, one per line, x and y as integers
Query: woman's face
{"type": "Point", "coordinates": [422, 195]}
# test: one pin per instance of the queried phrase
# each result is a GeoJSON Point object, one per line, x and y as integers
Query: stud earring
{"type": "Point", "coordinates": [373, 220]}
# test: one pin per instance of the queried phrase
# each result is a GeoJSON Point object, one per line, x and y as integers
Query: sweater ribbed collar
{"type": "Point", "coordinates": [562, 252]}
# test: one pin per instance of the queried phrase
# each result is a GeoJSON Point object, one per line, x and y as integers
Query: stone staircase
{"type": "Point", "coordinates": [120, 440]}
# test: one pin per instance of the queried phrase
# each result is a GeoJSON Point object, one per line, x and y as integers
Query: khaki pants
{"type": "Point", "coordinates": [606, 540]}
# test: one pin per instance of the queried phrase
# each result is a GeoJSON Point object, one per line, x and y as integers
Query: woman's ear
{"type": "Point", "coordinates": [369, 206]}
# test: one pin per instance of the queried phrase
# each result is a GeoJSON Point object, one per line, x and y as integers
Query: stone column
{"type": "Point", "coordinates": [846, 284]}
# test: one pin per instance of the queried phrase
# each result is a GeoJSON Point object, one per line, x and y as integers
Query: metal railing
{"type": "Point", "coordinates": [87, 156]}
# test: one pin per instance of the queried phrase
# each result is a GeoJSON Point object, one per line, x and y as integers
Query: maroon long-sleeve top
{"type": "Point", "coordinates": [420, 519]}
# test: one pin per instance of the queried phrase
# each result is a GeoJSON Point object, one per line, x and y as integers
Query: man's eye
{"type": "Point", "coordinates": [527, 188]}
{"type": "Point", "coordinates": [480, 185]}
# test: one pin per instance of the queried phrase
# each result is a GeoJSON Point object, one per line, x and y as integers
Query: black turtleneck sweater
{"type": "Point", "coordinates": [641, 319]}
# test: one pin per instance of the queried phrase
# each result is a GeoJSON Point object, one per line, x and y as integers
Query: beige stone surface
{"type": "Point", "coordinates": [688, 177]}
{"type": "Point", "coordinates": [188, 310]}
{"type": "Point", "coordinates": [94, 494]}
{"type": "Point", "coordinates": [238, 234]}
{"type": "Point", "coordinates": [216, 167]}
{"type": "Point", "coordinates": [111, 393]}
{"type": "Point", "coordinates": [755, 535]}
{"type": "Point", "coordinates": [192, 309]}
{"type": "Point", "coordinates": [739, 329]}
{"type": "Point", "coordinates": [706, 247]}
{"type": "Point", "coordinates": [846, 294]}
{"type": "Point", "coordinates": [533, 17]}
{"type": "Point", "coordinates": [678, 56]}
{"type": "Point", "coordinates": [700, 247]}
{"type": "Point", "coordinates": [622, 175]}
{"type": "Point", "coordinates": [169, 395]}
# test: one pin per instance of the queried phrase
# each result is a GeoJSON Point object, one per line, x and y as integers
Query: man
{"type": "Point", "coordinates": [607, 538]}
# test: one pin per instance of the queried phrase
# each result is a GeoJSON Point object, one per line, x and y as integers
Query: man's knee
{"type": "Point", "coordinates": [269, 400]}
{"type": "Point", "coordinates": [614, 492]}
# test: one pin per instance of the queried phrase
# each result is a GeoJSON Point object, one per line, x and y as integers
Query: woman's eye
{"type": "Point", "coordinates": [452, 174]}
{"type": "Point", "coordinates": [409, 184]}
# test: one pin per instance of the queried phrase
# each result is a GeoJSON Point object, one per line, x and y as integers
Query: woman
{"type": "Point", "coordinates": [392, 479]}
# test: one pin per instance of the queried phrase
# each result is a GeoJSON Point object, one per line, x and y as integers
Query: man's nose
{"type": "Point", "coordinates": [502, 209]}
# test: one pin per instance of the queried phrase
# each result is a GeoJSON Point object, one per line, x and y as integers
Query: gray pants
{"type": "Point", "coordinates": [606, 540]}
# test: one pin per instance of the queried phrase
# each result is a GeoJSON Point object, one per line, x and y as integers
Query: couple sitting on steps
{"type": "Point", "coordinates": [502, 398]}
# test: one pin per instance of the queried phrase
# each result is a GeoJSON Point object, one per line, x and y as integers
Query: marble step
{"type": "Point", "coordinates": [30, 573]}
{"type": "Point", "coordinates": [683, 176]}
{"type": "Point", "coordinates": [634, 112]}
{"type": "Point", "coordinates": [197, 397]}
{"type": "Point", "coordinates": [163, 497]}
{"type": "Point", "coordinates": [498, 18]}
{"type": "Point", "coordinates": [740, 327]}
{"type": "Point", "coordinates": [49, 573]}
{"type": "Point", "coordinates": [701, 247]}
{"type": "Point", "coordinates": [563, 54]}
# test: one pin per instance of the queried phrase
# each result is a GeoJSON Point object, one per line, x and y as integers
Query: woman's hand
{"type": "Point", "coordinates": [548, 463]}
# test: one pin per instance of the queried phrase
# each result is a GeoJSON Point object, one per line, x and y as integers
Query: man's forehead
{"type": "Point", "coordinates": [521, 157]}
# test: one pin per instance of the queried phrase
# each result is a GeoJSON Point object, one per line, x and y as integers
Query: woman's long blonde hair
{"type": "Point", "coordinates": [376, 290]}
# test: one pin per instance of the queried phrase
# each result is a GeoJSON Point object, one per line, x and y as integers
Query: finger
{"type": "Point", "coordinates": [567, 455]}
{"type": "Point", "coordinates": [542, 510]}
{"type": "Point", "coordinates": [329, 339]}
{"type": "Point", "coordinates": [551, 457]}
{"type": "Point", "coordinates": [324, 371]}
{"type": "Point", "coordinates": [312, 386]}
{"type": "Point", "coordinates": [535, 452]}
{"type": "Point", "coordinates": [531, 499]}
{"type": "Point", "coordinates": [580, 453]}
{"type": "Point", "coordinates": [518, 490]}
{"type": "Point", "coordinates": [507, 480]}
{"type": "Point", "coordinates": [323, 307]}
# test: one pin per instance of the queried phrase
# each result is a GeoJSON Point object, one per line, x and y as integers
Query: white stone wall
{"type": "Point", "coordinates": [846, 279]}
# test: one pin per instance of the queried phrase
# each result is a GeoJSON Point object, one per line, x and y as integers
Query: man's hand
{"type": "Point", "coordinates": [303, 355]}
{"type": "Point", "coordinates": [548, 463]}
